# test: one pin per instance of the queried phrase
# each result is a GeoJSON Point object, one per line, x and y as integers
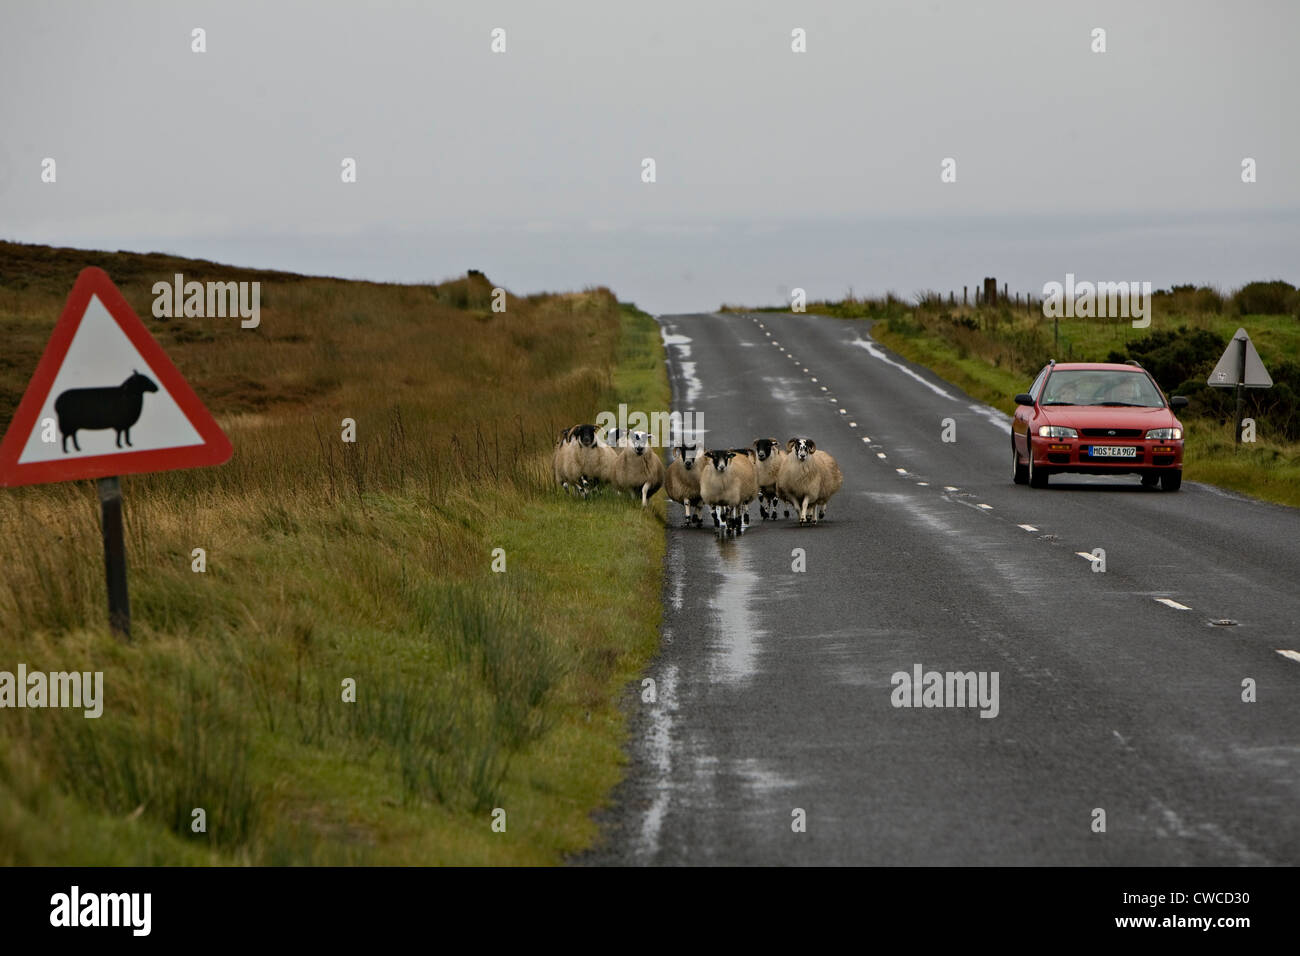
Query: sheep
{"type": "Point", "coordinates": [595, 459]}
{"type": "Point", "coordinates": [638, 468]}
{"type": "Point", "coordinates": [721, 487]}
{"type": "Point", "coordinates": [117, 408]}
{"type": "Point", "coordinates": [768, 455]}
{"type": "Point", "coordinates": [582, 459]}
{"type": "Point", "coordinates": [682, 481]}
{"type": "Point", "coordinates": [747, 465]}
{"type": "Point", "coordinates": [564, 463]}
{"type": "Point", "coordinates": [807, 479]}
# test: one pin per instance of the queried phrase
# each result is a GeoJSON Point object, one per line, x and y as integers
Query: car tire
{"type": "Point", "coordinates": [1019, 472]}
{"type": "Point", "coordinates": [1150, 480]}
{"type": "Point", "coordinates": [1171, 480]}
{"type": "Point", "coordinates": [1037, 477]}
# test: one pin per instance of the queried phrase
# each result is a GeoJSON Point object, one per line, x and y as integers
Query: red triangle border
{"type": "Point", "coordinates": [214, 450]}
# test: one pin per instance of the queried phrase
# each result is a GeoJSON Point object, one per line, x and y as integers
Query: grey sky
{"type": "Point", "coordinates": [775, 169]}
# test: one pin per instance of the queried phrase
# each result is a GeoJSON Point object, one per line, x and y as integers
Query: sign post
{"type": "Point", "coordinates": [119, 601]}
{"type": "Point", "coordinates": [106, 401]}
{"type": "Point", "coordinates": [1240, 368]}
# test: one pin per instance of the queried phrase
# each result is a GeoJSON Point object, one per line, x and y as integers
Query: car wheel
{"type": "Point", "coordinates": [1150, 480]}
{"type": "Point", "coordinates": [1019, 472]}
{"type": "Point", "coordinates": [1037, 477]}
{"type": "Point", "coordinates": [1171, 480]}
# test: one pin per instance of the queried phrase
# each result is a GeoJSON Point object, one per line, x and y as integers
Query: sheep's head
{"type": "Point", "coordinates": [585, 434]}
{"type": "Point", "coordinates": [720, 459]}
{"type": "Point", "coordinates": [802, 448]}
{"type": "Point", "coordinates": [765, 448]}
{"type": "Point", "coordinates": [139, 383]}
{"type": "Point", "coordinates": [687, 455]}
{"type": "Point", "coordinates": [639, 441]}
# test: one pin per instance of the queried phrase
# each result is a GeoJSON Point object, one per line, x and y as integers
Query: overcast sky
{"type": "Point", "coordinates": [774, 169]}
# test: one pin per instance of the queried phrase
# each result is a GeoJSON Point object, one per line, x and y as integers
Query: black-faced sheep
{"type": "Point", "coordinates": [96, 408]}
{"type": "Point", "coordinates": [682, 482]}
{"type": "Point", "coordinates": [722, 488]}
{"type": "Point", "coordinates": [768, 454]}
{"type": "Point", "coordinates": [746, 465]}
{"type": "Point", "coordinates": [564, 463]}
{"type": "Point", "coordinates": [593, 459]}
{"type": "Point", "coordinates": [807, 479]}
{"type": "Point", "coordinates": [638, 468]}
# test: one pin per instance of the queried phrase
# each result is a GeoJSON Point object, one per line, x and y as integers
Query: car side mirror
{"type": "Point", "coordinates": [1178, 401]}
{"type": "Point", "coordinates": [1024, 398]}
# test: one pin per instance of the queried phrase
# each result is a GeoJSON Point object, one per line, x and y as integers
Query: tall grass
{"type": "Point", "coordinates": [330, 561]}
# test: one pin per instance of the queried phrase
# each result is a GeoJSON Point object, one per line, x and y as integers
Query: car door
{"type": "Point", "coordinates": [1023, 419]}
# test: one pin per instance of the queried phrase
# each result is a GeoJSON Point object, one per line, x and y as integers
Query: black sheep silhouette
{"type": "Point", "coordinates": [117, 408]}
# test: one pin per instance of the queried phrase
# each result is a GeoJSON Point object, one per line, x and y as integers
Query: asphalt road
{"type": "Point", "coordinates": [774, 687]}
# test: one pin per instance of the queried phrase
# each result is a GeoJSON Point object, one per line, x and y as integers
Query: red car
{"type": "Point", "coordinates": [1097, 418]}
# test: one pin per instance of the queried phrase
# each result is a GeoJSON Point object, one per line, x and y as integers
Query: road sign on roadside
{"type": "Point", "coordinates": [1240, 368]}
{"type": "Point", "coordinates": [106, 401]}
{"type": "Point", "coordinates": [1240, 365]}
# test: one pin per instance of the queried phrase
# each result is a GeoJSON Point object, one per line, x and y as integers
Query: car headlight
{"type": "Point", "coordinates": [1165, 434]}
{"type": "Point", "coordinates": [1056, 431]}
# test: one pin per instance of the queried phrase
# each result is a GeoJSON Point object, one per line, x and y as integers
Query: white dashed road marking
{"type": "Point", "coordinates": [1291, 655]}
{"type": "Point", "coordinates": [1027, 527]}
{"type": "Point", "coordinates": [1170, 602]}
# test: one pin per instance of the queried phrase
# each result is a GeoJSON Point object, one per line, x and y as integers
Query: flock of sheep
{"type": "Point", "coordinates": [797, 478]}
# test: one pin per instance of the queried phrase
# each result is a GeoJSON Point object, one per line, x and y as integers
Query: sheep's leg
{"type": "Point", "coordinates": [127, 435]}
{"type": "Point", "coordinates": [803, 510]}
{"type": "Point", "coordinates": [119, 439]}
{"type": "Point", "coordinates": [644, 499]}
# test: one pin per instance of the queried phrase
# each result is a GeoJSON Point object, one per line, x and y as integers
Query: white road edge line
{"type": "Point", "coordinates": [1170, 602]}
{"type": "Point", "coordinates": [1291, 655]}
{"type": "Point", "coordinates": [985, 507]}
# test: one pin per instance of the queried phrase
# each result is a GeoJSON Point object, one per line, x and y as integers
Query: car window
{"type": "Point", "coordinates": [1033, 389]}
{"type": "Point", "coordinates": [1101, 387]}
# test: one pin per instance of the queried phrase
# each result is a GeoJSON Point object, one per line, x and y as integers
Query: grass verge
{"type": "Point", "coordinates": [331, 562]}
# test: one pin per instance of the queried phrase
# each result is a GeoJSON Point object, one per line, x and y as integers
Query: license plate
{"type": "Point", "coordinates": [1114, 451]}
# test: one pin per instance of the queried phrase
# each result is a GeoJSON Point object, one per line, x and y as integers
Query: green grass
{"type": "Point", "coordinates": [1269, 470]}
{"type": "Point", "coordinates": [327, 562]}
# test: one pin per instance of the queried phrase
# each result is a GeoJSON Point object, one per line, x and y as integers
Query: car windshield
{"type": "Point", "coordinates": [1100, 387]}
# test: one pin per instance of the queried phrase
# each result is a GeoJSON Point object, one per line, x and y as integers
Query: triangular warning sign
{"type": "Point", "coordinates": [1230, 371]}
{"type": "Point", "coordinates": [105, 400]}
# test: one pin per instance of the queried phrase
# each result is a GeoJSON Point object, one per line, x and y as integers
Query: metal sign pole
{"type": "Point", "coordinates": [1241, 386]}
{"type": "Point", "coordinates": [119, 603]}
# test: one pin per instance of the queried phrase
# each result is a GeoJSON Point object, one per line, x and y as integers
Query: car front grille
{"type": "Point", "coordinates": [1111, 432]}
